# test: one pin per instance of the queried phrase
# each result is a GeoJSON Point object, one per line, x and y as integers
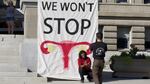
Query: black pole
{"type": "Point", "coordinates": [17, 3]}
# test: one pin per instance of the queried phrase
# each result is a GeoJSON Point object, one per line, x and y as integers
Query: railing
{"type": "Point", "coordinates": [19, 31]}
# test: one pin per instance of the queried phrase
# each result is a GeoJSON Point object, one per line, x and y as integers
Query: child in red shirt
{"type": "Point", "coordinates": [84, 63]}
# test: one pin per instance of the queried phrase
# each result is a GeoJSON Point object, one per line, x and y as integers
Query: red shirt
{"type": "Point", "coordinates": [81, 61]}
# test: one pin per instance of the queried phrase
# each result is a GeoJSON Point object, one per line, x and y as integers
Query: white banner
{"type": "Point", "coordinates": [64, 28]}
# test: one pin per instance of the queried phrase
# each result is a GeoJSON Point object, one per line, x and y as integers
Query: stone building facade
{"type": "Point", "coordinates": [123, 22]}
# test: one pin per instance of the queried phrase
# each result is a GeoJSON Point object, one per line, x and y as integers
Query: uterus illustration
{"type": "Point", "coordinates": [65, 47]}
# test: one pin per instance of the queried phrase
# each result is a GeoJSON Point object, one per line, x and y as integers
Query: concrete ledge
{"type": "Point", "coordinates": [123, 14]}
{"type": "Point", "coordinates": [27, 4]}
{"type": "Point", "coordinates": [125, 10]}
{"type": "Point", "coordinates": [124, 22]}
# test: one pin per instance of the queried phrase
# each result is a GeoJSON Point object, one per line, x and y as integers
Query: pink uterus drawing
{"type": "Point", "coordinates": [66, 47]}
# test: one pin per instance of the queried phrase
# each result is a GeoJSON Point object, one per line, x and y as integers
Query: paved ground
{"type": "Point", "coordinates": [107, 79]}
{"type": "Point", "coordinates": [129, 81]}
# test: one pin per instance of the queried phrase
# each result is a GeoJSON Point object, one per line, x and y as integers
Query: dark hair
{"type": "Point", "coordinates": [99, 35]}
{"type": "Point", "coordinates": [10, 3]}
{"type": "Point", "coordinates": [82, 51]}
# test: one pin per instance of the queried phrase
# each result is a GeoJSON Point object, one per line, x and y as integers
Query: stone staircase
{"type": "Point", "coordinates": [11, 71]}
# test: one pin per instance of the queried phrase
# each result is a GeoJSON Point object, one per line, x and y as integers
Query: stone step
{"type": "Point", "coordinates": [11, 45]}
{"type": "Point", "coordinates": [9, 59]}
{"type": "Point", "coordinates": [27, 83]}
{"type": "Point", "coordinates": [9, 51]}
{"type": "Point", "coordinates": [11, 36]}
{"type": "Point", "coordinates": [32, 83]}
{"type": "Point", "coordinates": [22, 80]}
{"type": "Point", "coordinates": [11, 67]}
{"type": "Point", "coordinates": [17, 74]}
{"type": "Point", "coordinates": [11, 40]}
{"type": "Point", "coordinates": [8, 40]}
{"type": "Point", "coordinates": [17, 56]}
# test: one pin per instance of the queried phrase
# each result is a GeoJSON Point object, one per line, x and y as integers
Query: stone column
{"type": "Point", "coordinates": [29, 8]}
{"type": "Point", "coordinates": [110, 37]}
{"type": "Point", "coordinates": [30, 22]}
{"type": "Point", "coordinates": [138, 37]}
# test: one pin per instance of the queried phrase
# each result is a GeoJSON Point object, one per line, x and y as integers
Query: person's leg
{"type": "Point", "coordinates": [101, 71]}
{"type": "Point", "coordinates": [89, 76]}
{"type": "Point", "coordinates": [95, 71]}
{"type": "Point", "coordinates": [12, 26]}
{"type": "Point", "coordinates": [8, 25]}
{"type": "Point", "coordinates": [81, 75]}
